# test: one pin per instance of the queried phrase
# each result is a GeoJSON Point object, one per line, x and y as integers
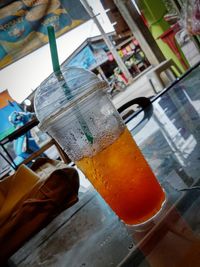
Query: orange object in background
{"type": "Point", "coordinates": [4, 98]}
{"type": "Point", "coordinates": [123, 178]}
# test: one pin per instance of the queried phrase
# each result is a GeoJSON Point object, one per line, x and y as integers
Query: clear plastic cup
{"type": "Point", "coordinates": [87, 126]}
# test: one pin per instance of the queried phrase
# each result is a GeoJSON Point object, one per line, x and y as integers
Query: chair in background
{"type": "Point", "coordinates": [171, 70]}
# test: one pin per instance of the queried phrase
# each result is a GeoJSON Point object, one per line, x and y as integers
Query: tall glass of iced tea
{"type": "Point", "coordinates": [91, 131]}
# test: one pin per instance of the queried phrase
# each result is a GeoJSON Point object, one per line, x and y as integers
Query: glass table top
{"type": "Point", "coordinates": [170, 139]}
{"type": "Point", "coordinates": [90, 234]}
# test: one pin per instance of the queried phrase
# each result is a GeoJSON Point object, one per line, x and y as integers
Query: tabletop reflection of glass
{"type": "Point", "coordinates": [90, 234]}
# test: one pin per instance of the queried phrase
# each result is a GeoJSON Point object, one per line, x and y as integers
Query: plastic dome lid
{"type": "Point", "coordinates": [54, 94]}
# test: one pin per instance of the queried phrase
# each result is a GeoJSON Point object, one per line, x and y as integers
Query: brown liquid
{"type": "Point", "coordinates": [123, 178]}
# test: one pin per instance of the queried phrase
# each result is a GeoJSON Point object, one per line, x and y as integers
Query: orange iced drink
{"type": "Point", "coordinates": [124, 179]}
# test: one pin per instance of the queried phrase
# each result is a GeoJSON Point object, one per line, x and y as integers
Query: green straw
{"type": "Point", "coordinates": [53, 49]}
{"type": "Point", "coordinates": [60, 78]}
